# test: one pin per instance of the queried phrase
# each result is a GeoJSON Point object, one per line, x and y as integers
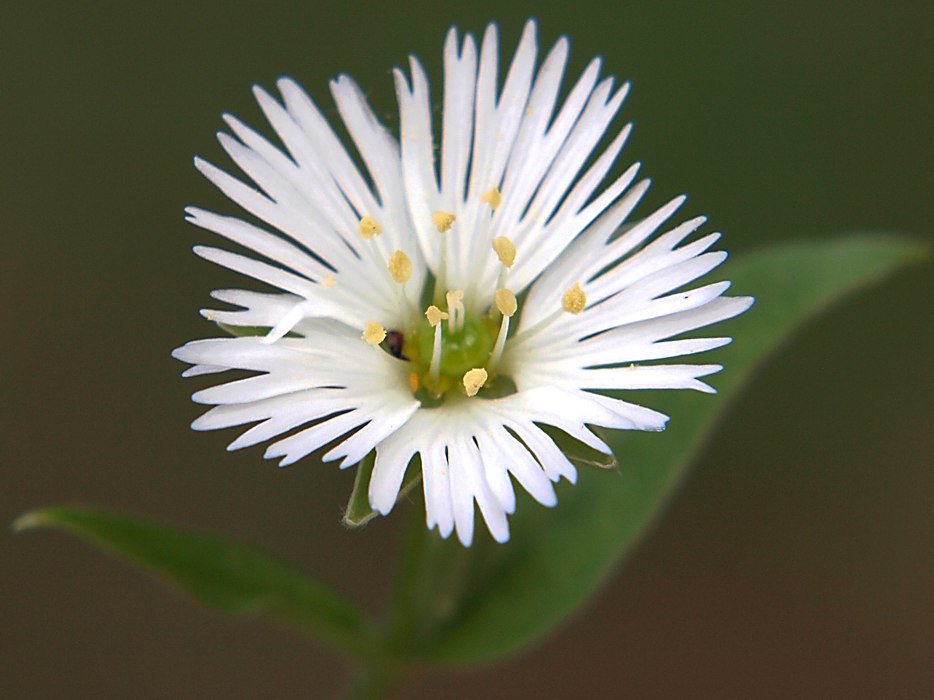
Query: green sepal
{"type": "Point", "coordinates": [243, 331]}
{"type": "Point", "coordinates": [250, 331]}
{"type": "Point", "coordinates": [359, 512]}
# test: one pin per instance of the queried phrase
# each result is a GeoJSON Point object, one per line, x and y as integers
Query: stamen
{"type": "Point", "coordinates": [434, 369]}
{"type": "Point", "coordinates": [374, 333]}
{"type": "Point", "coordinates": [435, 315]}
{"type": "Point", "coordinates": [413, 382]}
{"type": "Point", "coordinates": [492, 197]}
{"type": "Point", "coordinates": [455, 299]}
{"type": "Point", "coordinates": [329, 282]}
{"type": "Point", "coordinates": [400, 267]}
{"type": "Point", "coordinates": [474, 379]}
{"type": "Point", "coordinates": [369, 227]}
{"type": "Point", "coordinates": [574, 300]}
{"type": "Point", "coordinates": [443, 220]}
{"type": "Point", "coordinates": [507, 305]}
{"type": "Point", "coordinates": [506, 250]}
{"type": "Point", "coordinates": [506, 302]}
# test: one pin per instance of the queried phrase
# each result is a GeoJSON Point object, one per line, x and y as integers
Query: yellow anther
{"type": "Point", "coordinates": [574, 300]}
{"type": "Point", "coordinates": [506, 302]}
{"type": "Point", "coordinates": [443, 220]}
{"type": "Point", "coordinates": [455, 299]}
{"type": "Point", "coordinates": [492, 197]}
{"type": "Point", "coordinates": [413, 382]}
{"type": "Point", "coordinates": [374, 333]}
{"type": "Point", "coordinates": [435, 315]}
{"type": "Point", "coordinates": [369, 227]}
{"type": "Point", "coordinates": [329, 281]}
{"type": "Point", "coordinates": [505, 249]}
{"type": "Point", "coordinates": [400, 267]}
{"type": "Point", "coordinates": [474, 379]}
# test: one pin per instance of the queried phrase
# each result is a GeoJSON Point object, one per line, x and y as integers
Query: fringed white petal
{"type": "Point", "coordinates": [517, 162]}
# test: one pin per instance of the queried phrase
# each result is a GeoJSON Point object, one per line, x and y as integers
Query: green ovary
{"type": "Point", "coordinates": [461, 350]}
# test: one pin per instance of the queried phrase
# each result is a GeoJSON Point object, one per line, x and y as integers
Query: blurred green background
{"type": "Point", "coordinates": [797, 561]}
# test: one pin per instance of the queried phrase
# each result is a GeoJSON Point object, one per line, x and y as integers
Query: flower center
{"type": "Point", "coordinates": [450, 350]}
{"type": "Point", "coordinates": [462, 349]}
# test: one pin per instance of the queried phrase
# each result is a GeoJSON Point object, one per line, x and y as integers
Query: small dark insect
{"type": "Point", "coordinates": [394, 343]}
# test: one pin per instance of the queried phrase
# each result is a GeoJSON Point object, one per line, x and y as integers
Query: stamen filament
{"type": "Point", "coordinates": [443, 221]}
{"type": "Point", "coordinates": [434, 369]}
{"type": "Point", "coordinates": [573, 302]}
{"type": "Point", "coordinates": [435, 316]}
{"type": "Point", "coordinates": [528, 333]}
{"type": "Point", "coordinates": [507, 305]}
{"type": "Point", "coordinates": [374, 247]}
{"type": "Point", "coordinates": [442, 270]}
{"type": "Point", "coordinates": [497, 353]}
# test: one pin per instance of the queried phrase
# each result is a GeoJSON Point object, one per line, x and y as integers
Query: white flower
{"type": "Point", "coordinates": [449, 314]}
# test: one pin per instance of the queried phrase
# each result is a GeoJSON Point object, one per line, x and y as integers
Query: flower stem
{"type": "Point", "coordinates": [428, 588]}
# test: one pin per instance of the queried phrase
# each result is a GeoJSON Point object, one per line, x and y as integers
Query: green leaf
{"type": "Point", "coordinates": [503, 597]}
{"type": "Point", "coordinates": [359, 512]}
{"type": "Point", "coordinates": [219, 573]}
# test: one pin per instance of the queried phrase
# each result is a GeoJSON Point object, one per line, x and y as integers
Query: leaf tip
{"type": "Point", "coordinates": [30, 520]}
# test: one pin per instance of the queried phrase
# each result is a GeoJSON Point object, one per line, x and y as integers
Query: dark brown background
{"type": "Point", "coordinates": [796, 562]}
